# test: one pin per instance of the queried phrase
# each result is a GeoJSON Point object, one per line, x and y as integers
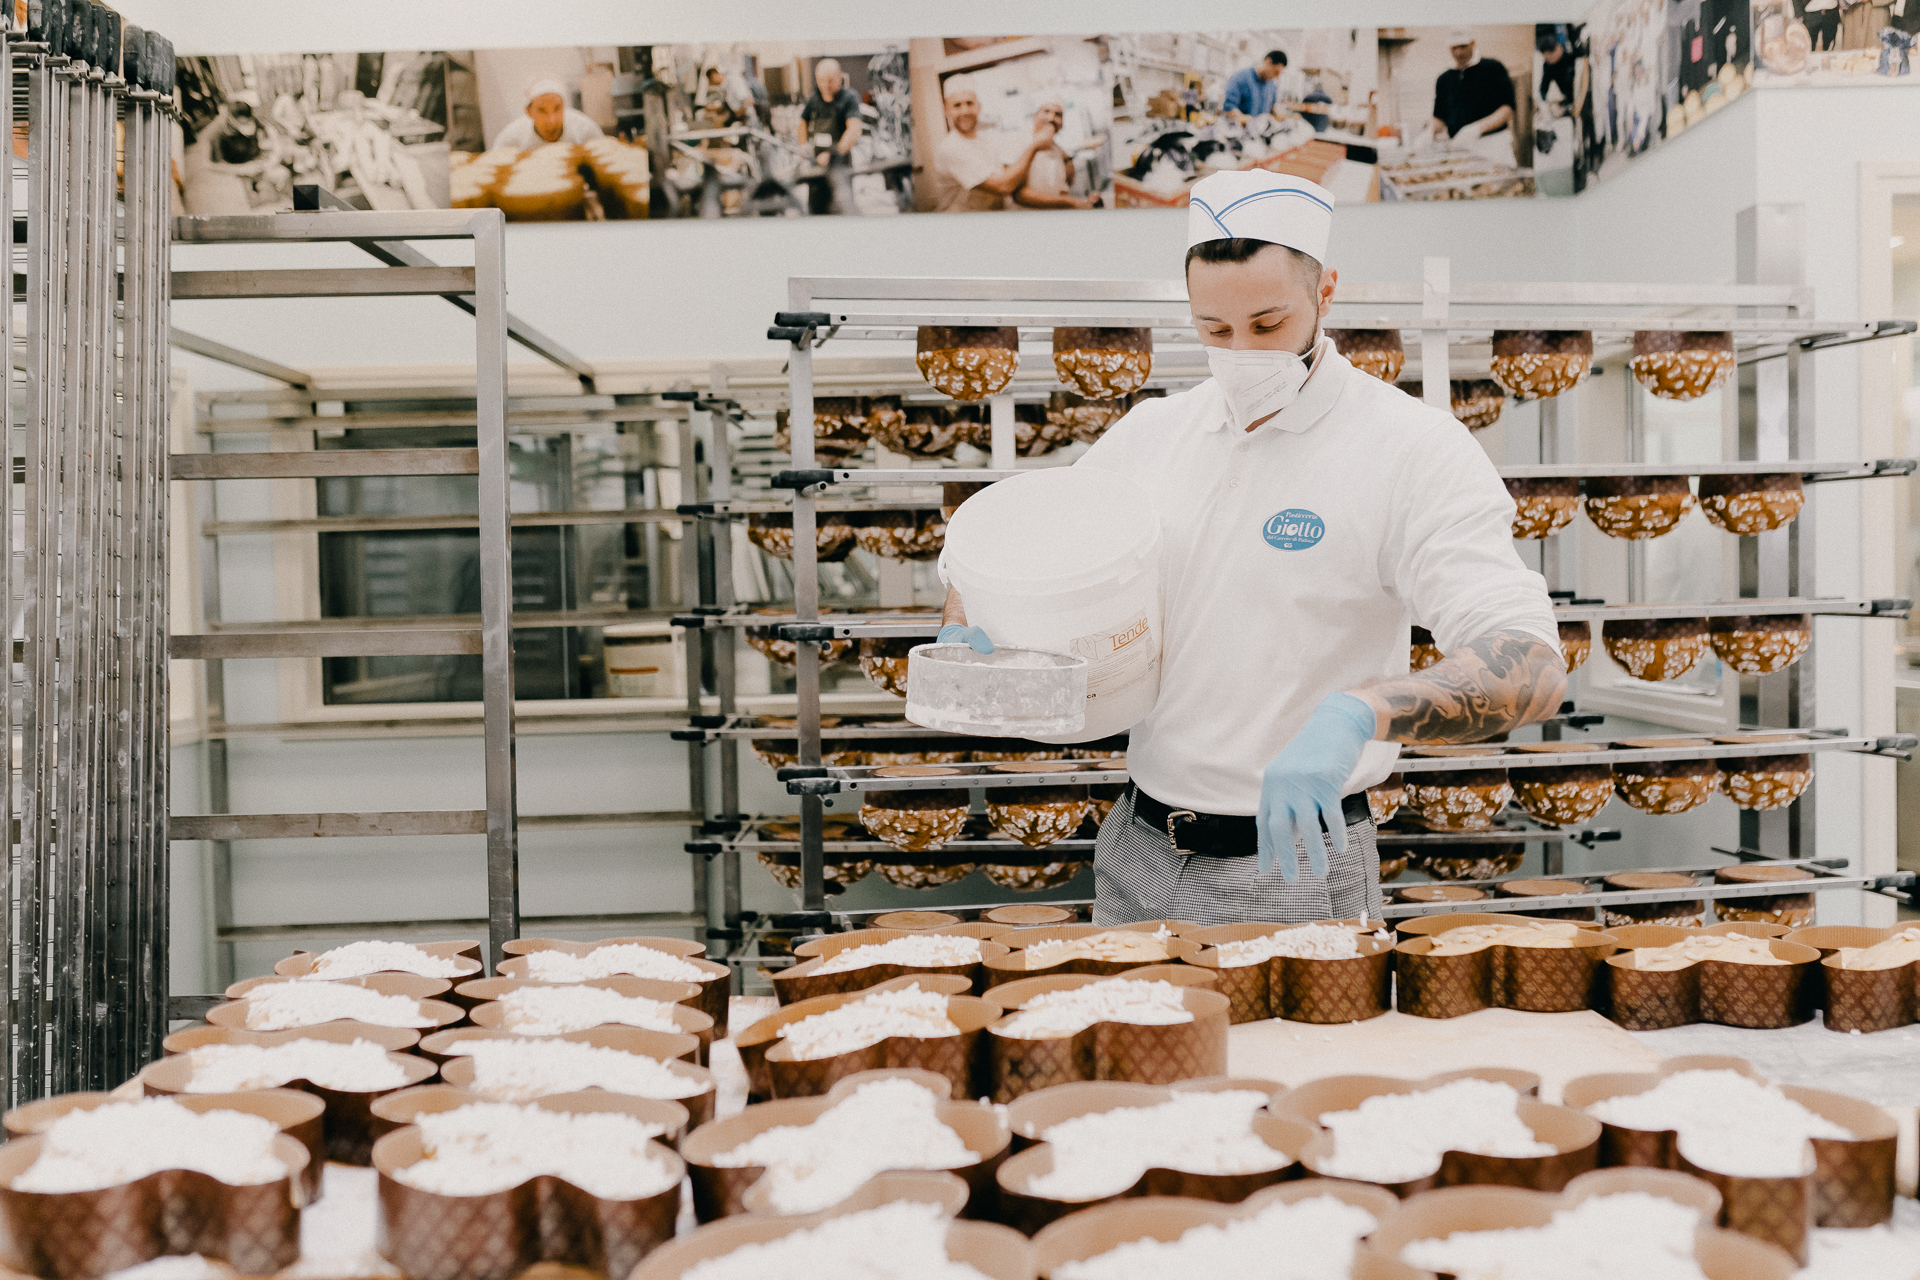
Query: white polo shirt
{"type": "Point", "coordinates": [1294, 559]}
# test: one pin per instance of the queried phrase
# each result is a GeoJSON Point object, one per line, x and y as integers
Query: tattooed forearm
{"type": "Point", "coordinates": [953, 611]}
{"type": "Point", "coordinates": [1495, 684]}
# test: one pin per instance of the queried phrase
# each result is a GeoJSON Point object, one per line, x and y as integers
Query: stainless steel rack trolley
{"type": "Point", "coordinates": [1444, 327]}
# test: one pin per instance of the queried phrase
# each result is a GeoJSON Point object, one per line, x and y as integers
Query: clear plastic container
{"type": "Point", "coordinates": [1010, 693]}
{"type": "Point", "coordinates": [1067, 560]}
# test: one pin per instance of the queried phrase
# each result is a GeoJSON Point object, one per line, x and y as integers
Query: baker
{"type": "Point", "coordinates": [1473, 102]}
{"type": "Point", "coordinates": [548, 119]}
{"type": "Point", "coordinates": [1309, 514]}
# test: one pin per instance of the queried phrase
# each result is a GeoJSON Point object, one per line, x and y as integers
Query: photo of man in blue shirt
{"type": "Point", "coordinates": [1253, 91]}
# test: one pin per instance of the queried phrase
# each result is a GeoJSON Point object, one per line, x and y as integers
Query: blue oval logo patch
{"type": "Point", "coordinates": [1293, 530]}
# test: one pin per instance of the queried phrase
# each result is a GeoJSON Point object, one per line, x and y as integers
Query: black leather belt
{"type": "Point", "coordinates": [1219, 835]}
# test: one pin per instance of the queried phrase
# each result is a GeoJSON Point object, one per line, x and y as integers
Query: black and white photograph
{"type": "Point", "coordinates": [1012, 122]}
{"type": "Point", "coordinates": [1459, 102]}
{"type": "Point", "coordinates": [1819, 42]}
{"type": "Point", "coordinates": [776, 129]}
{"type": "Point", "coordinates": [369, 127]}
{"type": "Point", "coordinates": [1301, 102]}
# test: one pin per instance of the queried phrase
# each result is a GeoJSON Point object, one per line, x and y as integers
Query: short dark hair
{"type": "Point", "coordinates": [1547, 42]}
{"type": "Point", "coordinates": [1241, 249]}
{"type": "Point", "coordinates": [1277, 57]}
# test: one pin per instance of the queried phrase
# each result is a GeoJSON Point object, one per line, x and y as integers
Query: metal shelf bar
{"type": "Point", "coordinates": [356, 643]}
{"type": "Point", "coordinates": [392, 928]}
{"type": "Point", "coordinates": [1568, 293]}
{"type": "Point", "coordinates": [1622, 897]}
{"type": "Point", "coordinates": [1635, 755]}
{"type": "Point", "coordinates": [326, 462]}
{"type": "Point", "coordinates": [237, 358]}
{"type": "Point", "coordinates": [332, 225]}
{"type": "Point", "coordinates": [518, 419]}
{"type": "Point", "coordinates": [324, 282]}
{"type": "Point", "coordinates": [389, 524]}
{"type": "Point", "coordinates": [1037, 325]}
{"type": "Point", "coordinates": [1887, 607]}
{"type": "Point", "coordinates": [1810, 471]}
{"type": "Point", "coordinates": [522, 620]}
{"type": "Point", "coordinates": [293, 826]}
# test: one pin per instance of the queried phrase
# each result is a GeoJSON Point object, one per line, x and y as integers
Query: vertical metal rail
{"type": "Point", "coordinates": [131, 974]}
{"type": "Point", "coordinates": [806, 603]}
{"type": "Point", "coordinates": [496, 580]}
{"type": "Point", "coordinates": [45, 209]}
{"type": "Point", "coordinates": [694, 597]}
{"type": "Point", "coordinates": [720, 489]}
{"type": "Point", "coordinates": [139, 777]}
{"type": "Point", "coordinates": [1776, 424]}
{"type": "Point", "coordinates": [155, 789]}
{"type": "Point", "coordinates": [9, 576]}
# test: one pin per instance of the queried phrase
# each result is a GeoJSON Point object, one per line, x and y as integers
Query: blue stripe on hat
{"type": "Point", "coordinates": [1278, 191]}
{"type": "Point", "coordinates": [1208, 209]}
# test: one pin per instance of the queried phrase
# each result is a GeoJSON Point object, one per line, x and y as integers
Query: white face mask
{"type": "Point", "coordinates": [1258, 384]}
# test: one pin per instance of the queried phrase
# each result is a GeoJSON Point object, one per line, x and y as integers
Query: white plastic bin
{"type": "Point", "coordinates": [1067, 560]}
{"type": "Point", "coordinates": [643, 660]}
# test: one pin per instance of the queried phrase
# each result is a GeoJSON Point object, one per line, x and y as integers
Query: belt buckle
{"type": "Point", "coordinates": [1173, 839]}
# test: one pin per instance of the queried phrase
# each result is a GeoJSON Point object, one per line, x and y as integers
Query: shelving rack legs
{"type": "Point", "coordinates": [485, 284]}
{"type": "Point", "coordinates": [83, 944]}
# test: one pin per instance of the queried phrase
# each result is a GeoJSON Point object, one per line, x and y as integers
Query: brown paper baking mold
{"type": "Point", "coordinates": [294, 1112]}
{"type": "Point", "coordinates": [1861, 1000]}
{"type": "Point", "coordinates": [715, 989]}
{"type": "Point", "coordinates": [1535, 979]}
{"type": "Point", "coordinates": [1734, 995]}
{"type": "Point", "coordinates": [418, 986]}
{"type": "Point", "coordinates": [256, 1229]}
{"type": "Point", "coordinates": [478, 991]}
{"type": "Point", "coordinates": [996, 1251]}
{"type": "Point", "coordinates": [667, 1048]}
{"type": "Point", "coordinates": [347, 1122]}
{"type": "Point", "coordinates": [1091, 1232]}
{"type": "Point", "coordinates": [343, 1030]}
{"type": "Point", "coordinates": [1035, 1113]}
{"type": "Point", "coordinates": [803, 982]}
{"type": "Point", "coordinates": [544, 1219]}
{"type": "Point", "coordinates": [1030, 1115]}
{"type": "Point", "coordinates": [1851, 1186]}
{"type": "Point", "coordinates": [1722, 1255]}
{"type": "Point", "coordinates": [688, 1020]}
{"type": "Point", "coordinates": [1574, 1135]}
{"type": "Point", "coordinates": [444, 1014]}
{"type": "Point", "coordinates": [1012, 966]}
{"type": "Point", "coordinates": [1440, 922]}
{"type": "Point", "coordinates": [465, 950]}
{"type": "Point", "coordinates": [722, 1192]}
{"type": "Point", "coordinates": [1110, 1050]}
{"type": "Point", "coordinates": [772, 1071]}
{"type": "Point", "coordinates": [1320, 991]}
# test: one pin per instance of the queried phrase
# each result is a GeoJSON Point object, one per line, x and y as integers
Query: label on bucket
{"type": "Point", "coordinates": [1118, 656]}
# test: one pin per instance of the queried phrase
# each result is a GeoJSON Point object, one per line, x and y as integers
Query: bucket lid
{"type": "Point", "coordinates": [1052, 530]}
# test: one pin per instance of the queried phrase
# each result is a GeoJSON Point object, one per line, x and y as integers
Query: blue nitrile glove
{"type": "Point", "coordinates": [1300, 789]}
{"type": "Point", "coordinates": [960, 633]}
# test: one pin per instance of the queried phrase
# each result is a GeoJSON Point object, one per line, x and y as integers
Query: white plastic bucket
{"type": "Point", "coordinates": [1067, 560]}
{"type": "Point", "coordinates": [642, 660]}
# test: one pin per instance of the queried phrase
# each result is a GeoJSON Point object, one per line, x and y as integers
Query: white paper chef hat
{"type": "Point", "coordinates": [1252, 204]}
{"type": "Point", "coordinates": [542, 87]}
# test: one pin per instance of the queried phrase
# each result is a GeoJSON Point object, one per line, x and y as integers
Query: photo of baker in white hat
{"type": "Point", "coordinates": [1309, 515]}
{"type": "Point", "coordinates": [548, 119]}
